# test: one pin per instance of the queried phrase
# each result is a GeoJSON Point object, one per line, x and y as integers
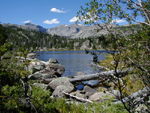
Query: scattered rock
{"type": "Point", "coordinates": [53, 61]}
{"type": "Point", "coordinates": [35, 66]}
{"type": "Point", "coordinates": [101, 96]}
{"type": "Point", "coordinates": [31, 55]}
{"type": "Point", "coordinates": [78, 94]}
{"type": "Point", "coordinates": [102, 89]}
{"type": "Point", "coordinates": [88, 89]}
{"type": "Point", "coordinates": [58, 92]}
{"type": "Point", "coordinates": [35, 76]}
{"type": "Point", "coordinates": [59, 69]}
{"type": "Point", "coordinates": [49, 74]}
{"type": "Point", "coordinates": [85, 93]}
{"type": "Point", "coordinates": [39, 67]}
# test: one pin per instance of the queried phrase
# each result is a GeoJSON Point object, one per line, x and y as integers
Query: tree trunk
{"type": "Point", "coordinates": [101, 75]}
{"type": "Point", "coordinates": [141, 93]}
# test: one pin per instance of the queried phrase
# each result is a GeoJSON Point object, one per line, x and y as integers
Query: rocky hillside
{"type": "Point", "coordinates": [28, 26]}
{"type": "Point", "coordinates": [70, 31]}
{"type": "Point", "coordinates": [75, 31]}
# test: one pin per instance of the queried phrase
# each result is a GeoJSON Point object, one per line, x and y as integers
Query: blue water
{"type": "Point", "coordinates": [73, 61]}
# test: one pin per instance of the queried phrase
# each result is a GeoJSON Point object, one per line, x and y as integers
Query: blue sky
{"type": "Point", "coordinates": [47, 13]}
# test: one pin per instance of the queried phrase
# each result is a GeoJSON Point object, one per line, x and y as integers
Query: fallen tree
{"type": "Point", "coordinates": [103, 76]}
{"type": "Point", "coordinates": [141, 93]}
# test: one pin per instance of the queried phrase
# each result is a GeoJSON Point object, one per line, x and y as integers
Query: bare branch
{"type": "Point", "coordinates": [78, 98]}
{"type": "Point", "coordinates": [135, 95]}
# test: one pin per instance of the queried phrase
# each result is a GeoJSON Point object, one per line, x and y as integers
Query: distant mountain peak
{"type": "Point", "coordinates": [71, 31]}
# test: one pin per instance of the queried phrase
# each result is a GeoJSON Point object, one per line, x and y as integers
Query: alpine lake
{"type": "Point", "coordinates": [73, 61]}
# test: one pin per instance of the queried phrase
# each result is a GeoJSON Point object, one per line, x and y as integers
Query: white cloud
{"type": "Point", "coordinates": [84, 18]}
{"type": "Point", "coordinates": [74, 19]}
{"type": "Point", "coordinates": [53, 21]}
{"type": "Point", "coordinates": [118, 21]}
{"type": "Point", "coordinates": [57, 10]}
{"type": "Point", "coordinates": [27, 21]}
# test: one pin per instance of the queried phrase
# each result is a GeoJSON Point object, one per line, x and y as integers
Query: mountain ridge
{"type": "Point", "coordinates": [71, 31]}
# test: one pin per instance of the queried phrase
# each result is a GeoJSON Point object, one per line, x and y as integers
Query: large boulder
{"type": "Point", "coordinates": [57, 68]}
{"type": "Point", "coordinates": [35, 66]}
{"type": "Point", "coordinates": [48, 74]}
{"type": "Point", "coordinates": [85, 93]}
{"type": "Point", "coordinates": [58, 92]}
{"type": "Point", "coordinates": [35, 76]}
{"type": "Point", "coordinates": [39, 67]}
{"type": "Point", "coordinates": [60, 81]}
{"type": "Point", "coordinates": [31, 55]}
{"type": "Point", "coordinates": [53, 61]}
{"type": "Point", "coordinates": [88, 91]}
{"type": "Point", "coordinates": [60, 85]}
{"type": "Point", "coordinates": [101, 96]}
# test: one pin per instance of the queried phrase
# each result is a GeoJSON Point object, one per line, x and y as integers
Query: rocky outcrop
{"type": "Point", "coordinates": [50, 69]}
{"type": "Point", "coordinates": [60, 85]}
{"type": "Point", "coordinates": [31, 55]}
{"type": "Point", "coordinates": [53, 61]}
{"type": "Point", "coordinates": [58, 92]}
{"type": "Point", "coordinates": [60, 81]}
{"type": "Point", "coordinates": [57, 68]}
{"type": "Point", "coordinates": [101, 96]}
{"type": "Point", "coordinates": [85, 93]}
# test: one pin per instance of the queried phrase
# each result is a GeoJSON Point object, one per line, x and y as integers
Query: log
{"type": "Point", "coordinates": [98, 75]}
{"type": "Point", "coordinates": [78, 98]}
{"type": "Point", "coordinates": [102, 75]}
{"type": "Point", "coordinates": [141, 93]}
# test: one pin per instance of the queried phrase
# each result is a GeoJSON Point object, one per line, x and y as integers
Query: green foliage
{"type": "Point", "coordinates": [129, 45]}
{"type": "Point", "coordinates": [106, 107]}
{"type": "Point", "coordinates": [34, 40]}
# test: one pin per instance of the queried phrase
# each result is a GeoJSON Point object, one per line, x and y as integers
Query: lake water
{"type": "Point", "coordinates": [73, 61]}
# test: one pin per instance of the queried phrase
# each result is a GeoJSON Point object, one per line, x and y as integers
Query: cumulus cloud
{"type": "Point", "coordinates": [84, 18]}
{"type": "Point", "coordinates": [53, 21]}
{"type": "Point", "coordinates": [57, 10]}
{"type": "Point", "coordinates": [118, 21]}
{"type": "Point", "coordinates": [74, 19]}
{"type": "Point", "coordinates": [27, 21]}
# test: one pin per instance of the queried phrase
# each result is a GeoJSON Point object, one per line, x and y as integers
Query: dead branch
{"type": "Point", "coordinates": [144, 91]}
{"type": "Point", "coordinates": [77, 98]}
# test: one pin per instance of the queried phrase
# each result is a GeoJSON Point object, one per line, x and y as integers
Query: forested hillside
{"type": "Point", "coordinates": [35, 40]}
